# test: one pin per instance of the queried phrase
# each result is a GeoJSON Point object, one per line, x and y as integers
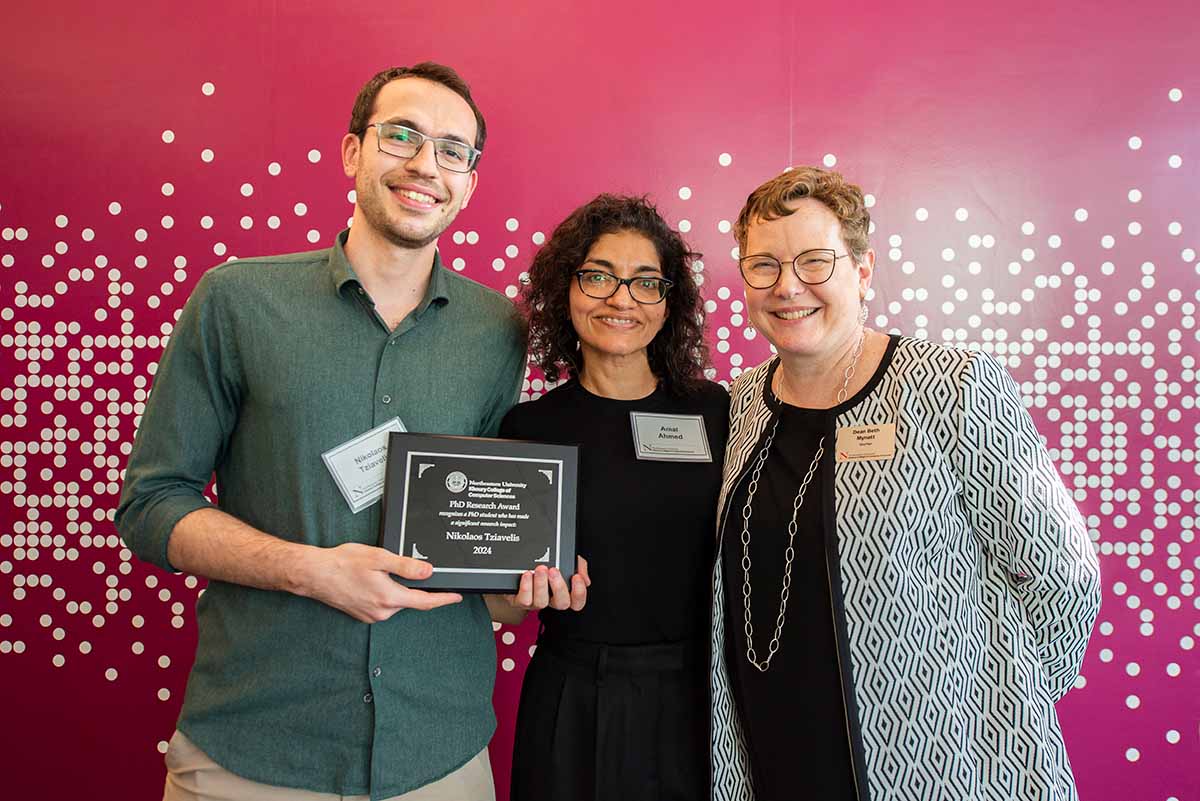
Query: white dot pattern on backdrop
{"type": "Point", "coordinates": [1103, 343]}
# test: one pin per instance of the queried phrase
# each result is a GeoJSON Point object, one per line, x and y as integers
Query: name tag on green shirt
{"type": "Point", "coordinates": [358, 465]}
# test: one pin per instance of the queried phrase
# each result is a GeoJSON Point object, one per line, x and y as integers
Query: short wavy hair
{"type": "Point", "coordinates": [677, 354]}
{"type": "Point", "coordinates": [844, 199]}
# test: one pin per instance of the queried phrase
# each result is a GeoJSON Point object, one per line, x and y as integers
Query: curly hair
{"type": "Point", "coordinates": [844, 199]}
{"type": "Point", "coordinates": [677, 354]}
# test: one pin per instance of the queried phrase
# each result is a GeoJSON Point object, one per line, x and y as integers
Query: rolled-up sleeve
{"type": "Point", "coordinates": [184, 430]}
{"type": "Point", "coordinates": [1025, 516]}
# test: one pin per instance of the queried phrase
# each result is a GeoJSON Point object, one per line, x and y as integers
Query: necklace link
{"type": "Point", "coordinates": [789, 553]}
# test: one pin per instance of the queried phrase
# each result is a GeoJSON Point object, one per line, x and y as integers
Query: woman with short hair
{"type": "Point", "coordinates": [904, 587]}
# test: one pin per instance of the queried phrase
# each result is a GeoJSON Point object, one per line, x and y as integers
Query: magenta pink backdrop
{"type": "Point", "coordinates": [1033, 169]}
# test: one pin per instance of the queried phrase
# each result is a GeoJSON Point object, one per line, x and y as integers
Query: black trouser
{"type": "Point", "coordinates": [613, 723]}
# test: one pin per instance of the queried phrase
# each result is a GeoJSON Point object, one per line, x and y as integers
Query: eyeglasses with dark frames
{"type": "Point", "coordinates": [645, 289]}
{"type": "Point", "coordinates": [404, 142]}
{"type": "Point", "coordinates": [812, 267]}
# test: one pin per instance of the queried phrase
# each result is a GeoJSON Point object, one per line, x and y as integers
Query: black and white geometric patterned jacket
{"type": "Point", "coordinates": [964, 587]}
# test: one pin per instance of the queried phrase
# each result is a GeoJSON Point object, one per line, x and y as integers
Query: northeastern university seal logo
{"type": "Point", "coordinates": [456, 481]}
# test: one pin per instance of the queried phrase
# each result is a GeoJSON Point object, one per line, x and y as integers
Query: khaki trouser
{"type": "Point", "coordinates": [193, 776]}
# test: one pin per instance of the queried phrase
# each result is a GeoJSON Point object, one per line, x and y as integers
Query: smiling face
{"type": "Point", "coordinates": [804, 321]}
{"type": "Point", "coordinates": [409, 202]}
{"type": "Point", "coordinates": [617, 326]}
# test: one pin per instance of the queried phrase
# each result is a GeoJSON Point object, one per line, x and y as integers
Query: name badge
{"type": "Point", "coordinates": [670, 437]}
{"type": "Point", "coordinates": [358, 465]}
{"type": "Point", "coordinates": [866, 443]}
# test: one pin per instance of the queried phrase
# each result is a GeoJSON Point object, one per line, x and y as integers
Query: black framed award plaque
{"type": "Point", "coordinates": [482, 511]}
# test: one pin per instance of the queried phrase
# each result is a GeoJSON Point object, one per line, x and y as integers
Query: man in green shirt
{"type": "Point", "coordinates": [315, 670]}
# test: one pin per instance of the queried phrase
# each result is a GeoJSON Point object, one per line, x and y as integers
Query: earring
{"type": "Point", "coordinates": [572, 364]}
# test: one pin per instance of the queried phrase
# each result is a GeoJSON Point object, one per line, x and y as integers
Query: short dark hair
{"type": "Point", "coordinates": [364, 104]}
{"type": "Point", "coordinates": [677, 353]}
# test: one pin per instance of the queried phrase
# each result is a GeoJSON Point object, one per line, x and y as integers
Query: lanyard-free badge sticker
{"type": "Point", "coordinates": [866, 443]}
{"type": "Point", "coordinates": [358, 465]}
{"type": "Point", "coordinates": [670, 437]}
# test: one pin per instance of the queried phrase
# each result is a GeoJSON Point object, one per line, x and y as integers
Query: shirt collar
{"type": "Point", "coordinates": [342, 274]}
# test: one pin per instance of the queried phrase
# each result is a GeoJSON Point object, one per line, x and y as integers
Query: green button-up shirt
{"type": "Point", "coordinates": [274, 361]}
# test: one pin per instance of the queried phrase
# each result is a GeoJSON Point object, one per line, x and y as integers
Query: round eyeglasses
{"type": "Point", "coordinates": [810, 266]}
{"type": "Point", "coordinates": [404, 142]}
{"type": "Point", "coordinates": [645, 289]}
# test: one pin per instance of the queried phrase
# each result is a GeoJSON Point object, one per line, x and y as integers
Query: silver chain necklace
{"type": "Point", "coordinates": [789, 553]}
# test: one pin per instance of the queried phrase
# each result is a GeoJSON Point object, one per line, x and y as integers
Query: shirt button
{"type": "Point", "coordinates": [377, 672]}
{"type": "Point", "coordinates": [368, 698]}
{"type": "Point", "coordinates": [386, 399]}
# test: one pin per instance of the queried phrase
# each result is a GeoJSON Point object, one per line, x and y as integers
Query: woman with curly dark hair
{"type": "Point", "coordinates": [615, 701]}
